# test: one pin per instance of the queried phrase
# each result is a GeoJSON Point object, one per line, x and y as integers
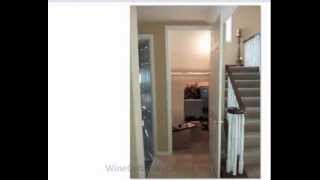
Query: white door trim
{"type": "Point", "coordinates": [168, 72]}
{"type": "Point", "coordinates": [137, 119]}
{"type": "Point", "coordinates": [153, 89]}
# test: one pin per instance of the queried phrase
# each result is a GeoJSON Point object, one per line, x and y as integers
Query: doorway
{"type": "Point", "coordinates": [188, 68]}
{"type": "Point", "coordinates": [188, 56]}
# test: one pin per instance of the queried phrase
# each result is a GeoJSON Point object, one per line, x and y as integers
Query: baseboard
{"type": "Point", "coordinates": [163, 153]}
{"type": "Point", "coordinates": [212, 169]}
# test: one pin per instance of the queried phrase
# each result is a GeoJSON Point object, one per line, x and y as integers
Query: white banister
{"type": "Point", "coordinates": [252, 51]}
{"type": "Point", "coordinates": [236, 120]}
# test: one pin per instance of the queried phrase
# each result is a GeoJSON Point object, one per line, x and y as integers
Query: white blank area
{"type": "Point", "coordinates": [173, 13]}
{"type": "Point", "coordinates": [88, 75]}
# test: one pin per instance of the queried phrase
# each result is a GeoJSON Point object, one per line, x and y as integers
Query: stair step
{"type": "Point", "coordinates": [247, 80]}
{"type": "Point", "coordinates": [249, 92]}
{"type": "Point", "coordinates": [252, 156]}
{"type": "Point", "coordinates": [251, 83]}
{"type": "Point", "coordinates": [245, 76]}
{"type": "Point", "coordinates": [243, 69]}
{"type": "Point", "coordinates": [246, 92]}
{"type": "Point", "coordinates": [247, 83]}
{"type": "Point", "coordinates": [251, 101]}
{"type": "Point", "coordinates": [252, 139]}
{"type": "Point", "coordinates": [247, 101]}
{"type": "Point", "coordinates": [252, 125]}
{"type": "Point", "coordinates": [253, 112]}
{"type": "Point", "coordinates": [252, 171]}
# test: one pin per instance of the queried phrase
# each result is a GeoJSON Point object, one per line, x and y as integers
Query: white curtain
{"type": "Point", "coordinates": [252, 51]}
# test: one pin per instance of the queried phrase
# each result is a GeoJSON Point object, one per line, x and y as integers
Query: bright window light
{"type": "Point", "coordinates": [204, 45]}
{"type": "Point", "coordinates": [229, 29]}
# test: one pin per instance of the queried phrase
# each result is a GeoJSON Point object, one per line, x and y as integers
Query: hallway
{"type": "Point", "coordinates": [189, 55]}
{"type": "Point", "coordinates": [189, 158]}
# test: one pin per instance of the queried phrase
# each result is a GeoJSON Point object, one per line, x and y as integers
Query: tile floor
{"type": "Point", "coordinates": [189, 159]}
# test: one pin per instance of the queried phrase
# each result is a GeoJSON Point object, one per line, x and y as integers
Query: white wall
{"type": "Point", "coordinates": [248, 19]}
{"type": "Point", "coordinates": [226, 11]}
{"type": "Point", "coordinates": [189, 50]}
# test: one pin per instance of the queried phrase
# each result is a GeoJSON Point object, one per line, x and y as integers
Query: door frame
{"type": "Point", "coordinates": [153, 89]}
{"type": "Point", "coordinates": [168, 72]}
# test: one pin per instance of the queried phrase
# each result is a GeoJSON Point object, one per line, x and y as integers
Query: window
{"type": "Point", "coordinates": [229, 29]}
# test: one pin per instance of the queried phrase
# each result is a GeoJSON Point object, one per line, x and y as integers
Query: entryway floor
{"type": "Point", "coordinates": [189, 159]}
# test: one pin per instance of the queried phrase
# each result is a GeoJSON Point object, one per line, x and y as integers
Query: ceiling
{"type": "Point", "coordinates": [176, 13]}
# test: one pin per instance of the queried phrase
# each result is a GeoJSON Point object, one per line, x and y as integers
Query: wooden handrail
{"type": "Point", "coordinates": [235, 89]}
{"type": "Point", "coordinates": [251, 37]}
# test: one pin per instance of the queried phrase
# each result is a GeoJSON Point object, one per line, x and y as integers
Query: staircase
{"type": "Point", "coordinates": [247, 80]}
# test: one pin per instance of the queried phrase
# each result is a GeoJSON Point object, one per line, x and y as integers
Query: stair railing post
{"type": "Point", "coordinates": [236, 120]}
{"type": "Point", "coordinates": [235, 145]}
{"type": "Point", "coordinates": [229, 145]}
{"type": "Point", "coordinates": [241, 163]}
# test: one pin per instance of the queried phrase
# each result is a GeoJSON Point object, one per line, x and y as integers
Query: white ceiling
{"type": "Point", "coordinates": [176, 13]}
